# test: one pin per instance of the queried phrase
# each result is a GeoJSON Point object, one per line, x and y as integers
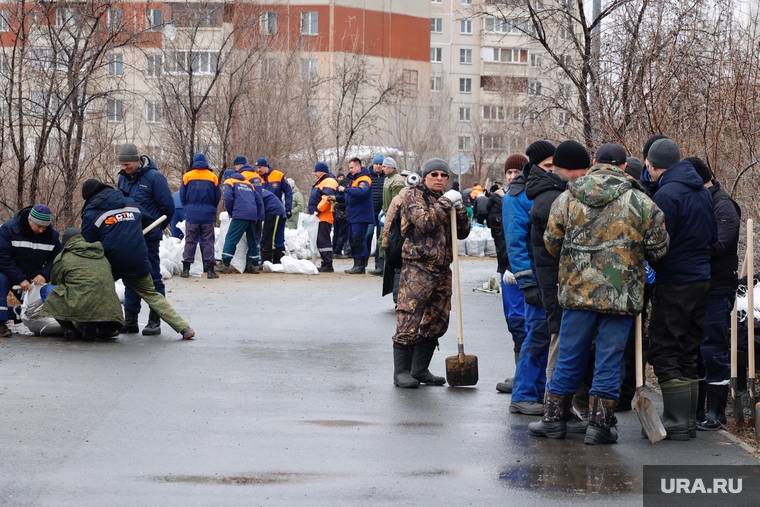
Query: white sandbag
{"type": "Point", "coordinates": [297, 243]}
{"type": "Point", "coordinates": [119, 286]}
{"type": "Point", "coordinates": [461, 247]}
{"type": "Point", "coordinates": [268, 267]}
{"type": "Point", "coordinates": [165, 274]}
{"type": "Point", "coordinates": [300, 267]}
{"type": "Point", "coordinates": [30, 308]}
{"type": "Point", "coordinates": [241, 251]}
{"type": "Point", "coordinates": [313, 228]}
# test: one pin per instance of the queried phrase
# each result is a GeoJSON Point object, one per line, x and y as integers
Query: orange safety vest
{"type": "Point", "coordinates": [325, 207]}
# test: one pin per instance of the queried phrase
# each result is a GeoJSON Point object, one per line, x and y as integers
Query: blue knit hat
{"type": "Point", "coordinates": [40, 215]}
{"type": "Point", "coordinates": [378, 159]}
{"type": "Point", "coordinates": [228, 173]}
{"type": "Point", "coordinates": [240, 160]}
{"type": "Point", "coordinates": [199, 161]}
{"type": "Point", "coordinates": [262, 162]}
{"type": "Point", "coordinates": [321, 167]}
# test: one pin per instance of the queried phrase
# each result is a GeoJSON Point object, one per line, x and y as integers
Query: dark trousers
{"type": "Point", "coordinates": [716, 345]}
{"type": "Point", "coordinates": [424, 304]}
{"type": "Point", "coordinates": [131, 298]}
{"type": "Point", "coordinates": [358, 243]}
{"type": "Point", "coordinates": [324, 245]}
{"type": "Point", "coordinates": [376, 230]}
{"type": "Point", "coordinates": [238, 227]}
{"type": "Point", "coordinates": [273, 236]}
{"type": "Point", "coordinates": [675, 329]}
{"type": "Point", "coordinates": [340, 234]}
{"type": "Point", "coordinates": [204, 233]}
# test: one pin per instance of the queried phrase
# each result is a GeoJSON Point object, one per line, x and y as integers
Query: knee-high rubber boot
{"type": "Point", "coordinates": [695, 392]}
{"type": "Point", "coordinates": [556, 415]}
{"type": "Point", "coordinates": [717, 397]}
{"type": "Point", "coordinates": [402, 367]}
{"type": "Point", "coordinates": [601, 421]}
{"type": "Point", "coordinates": [423, 354]}
{"type": "Point", "coordinates": [676, 400]}
{"type": "Point", "coordinates": [154, 325]}
{"type": "Point", "coordinates": [358, 268]}
{"type": "Point", "coordinates": [130, 323]}
{"type": "Point", "coordinates": [701, 400]}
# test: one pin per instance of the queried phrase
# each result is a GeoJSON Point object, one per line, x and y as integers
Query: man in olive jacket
{"type": "Point", "coordinates": [84, 289]}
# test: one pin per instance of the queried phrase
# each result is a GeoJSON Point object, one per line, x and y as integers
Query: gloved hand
{"type": "Point", "coordinates": [381, 218]}
{"type": "Point", "coordinates": [289, 213]}
{"type": "Point", "coordinates": [455, 198]}
{"type": "Point", "coordinates": [331, 198]}
{"type": "Point", "coordinates": [509, 278]}
{"type": "Point", "coordinates": [532, 296]}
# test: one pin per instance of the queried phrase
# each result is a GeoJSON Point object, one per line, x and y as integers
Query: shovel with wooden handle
{"type": "Point", "coordinates": [648, 417]}
{"type": "Point", "coordinates": [461, 370]}
{"type": "Point", "coordinates": [753, 403]}
{"type": "Point", "coordinates": [736, 398]}
{"type": "Point", "coordinates": [154, 224]}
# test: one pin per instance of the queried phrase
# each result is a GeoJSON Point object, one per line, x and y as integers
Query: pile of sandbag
{"type": "Point", "coordinates": [478, 244]}
{"type": "Point", "coordinates": [297, 240]}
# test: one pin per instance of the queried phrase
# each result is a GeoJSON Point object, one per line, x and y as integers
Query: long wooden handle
{"type": "Point", "coordinates": [751, 297]}
{"type": "Point", "coordinates": [457, 295]}
{"type": "Point", "coordinates": [155, 224]}
{"type": "Point", "coordinates": [639, 354]}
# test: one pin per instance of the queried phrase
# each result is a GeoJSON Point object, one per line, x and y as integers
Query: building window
{"type": "Point", "coordinates": [115, 111]}
{"type": "Point", "coordinates": [437, 1]}
{"type": "Point", "coordinates": [268, 69]}
{"type": "Point", "coordinates": [535, 59]}
{"type": "Point", "coordinates": [201, 15]}
{"type": "Point", "coordinates": [564, 5]}
{"type": "Point", "coordinates": [492, 24]}
{"type": "Point", "coordinates": [537, 4]}
{"type": "Point", "coordinates": [464, 114]}
{"type": "Point", "coordinates": [566, 60]}
{"type": "Point", "coordinates": [465, 26]}
{"type": "Point", "coordinates": [465, 85]}
{"type": "Point", "coordinates": [565, 33]}
{"type": "Point", "coordinates": [66, 17]}
{"type": "Point", "coordinates": [36, 102]}
{"type": "Point", "coordinates": [153, 66]}
{"type": "Point", "coordinates": [115, 19]}
{"type": "Point", "coordinates": [153, 112]}
{"type": "Point", "coordinates": [493, 113]}
{"type": "Point", "coordinates": [505, 55]}
{"type": "Point", "coordinates": [197, 62]}
{"type": "Point", "coordinates": [309, 23]}
{"type": "Point", "coordinates": [409, 78]}
{"type": "Point", "coordinates": [534, 88]}
{"type": "Point", "coordinates": [4, 20]}
{"type": "Point", "coordinates": [492, 143]}
{"type": "Point", "coordinates": [435, 83]}
{"type": "Point", "coordinates": [154, 17]}
{"type": "Point", "coordinates": [436, 25]}
{"type": "Point", "coordinates": [436, 54]}
{"type": "Point", "coordinates": [564, 90]}
{"type": "Point", "coordinates": [466, 2]}
{"type": "Point", "coordinates": [268, 23]}
{"type": "Point", "coordinates": [465, 56]}
{"type": "Point", "coordinates": [115, 65]}
{"type": "Point", "coordinates": [563, 118]}
{"type": "Point", "coordinates": [465, 143]}
{"type": "Point", "coordinates": [309, 70]}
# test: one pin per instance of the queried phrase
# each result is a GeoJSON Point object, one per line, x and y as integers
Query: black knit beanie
{"type": "Point", "coordinates": [92, 187]}
{"type": "Point", "coordinates": [571, 155]}
{"type": "Point", "coordinates": [539, 151]}
{"type": "Point", "coordinates": [704, 172]}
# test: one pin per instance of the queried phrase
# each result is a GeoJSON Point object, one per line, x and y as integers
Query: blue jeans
{"type": "Point", "coordinates": [131, 298]}
{"type": "Point", "coordinates": [578, 330]}
{"type": "Point", "coordinates": [514, 311]}
{"type": "Point", "coordinates": [530, 377]}
{"type": "Point", "coordinates": [716, 344]}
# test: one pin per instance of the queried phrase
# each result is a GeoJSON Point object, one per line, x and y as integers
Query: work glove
{"type": "Point", "coordinates": [331, 198]}
{"type": "Point", "coordinates": [532, 296]}
{"type": "Point", "coordinates": [381, 218]}
{"type": "Point", "coordinates": [455, 198]}
{"type": "Point", "coordinates": [289, 213]}
{"type": "Point", "coordinates": [509, 278]}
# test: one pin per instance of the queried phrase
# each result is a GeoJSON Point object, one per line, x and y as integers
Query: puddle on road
{"type": "Point", "coordinates": [569, 478]}
{"type": "Point", "coordinates": [239, 480]}
{"type": "Point", "coordinates": [419, 424]}
{"type": "Point", "coordinates": [336, 423]}
{"type": "Point", "coordinates": [432, 473]}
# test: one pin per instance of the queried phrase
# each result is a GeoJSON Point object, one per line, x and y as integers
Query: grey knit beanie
{"type": "Point", "coordinates": [128, 153]}
{"type": "Point", "coordinates": [664, 154]}
{"type": "Point", "coordinates": [435, 164]}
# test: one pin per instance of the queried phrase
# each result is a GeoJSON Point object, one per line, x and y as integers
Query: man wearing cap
{"type": "Point", "coordinates": [512, 299]}
{"type": "Point", "coordinates": [116, 221]}
{"type": "Point", "coordinates": [424, 294]}
{"type": "Point", "coordinates": [245, 169]}
{"type": "Point", "coordinates": [200, 194]}
{"type": "Point", "coordinates": [321, 199]}
{"type": "Point", "coordinates": [601, 228]}
{"type": "Point", "coordinates": [357, 195]}
{"type": "Point", "coordinates": [246, 210]}
{"type": "Point", "coordinates": [298, 205]}
{"type": "Point", "coordinates": [28, 245]}
{"type": "Point", "coordinates": [139, 179]}
{"type": "Point", "coordinates": [715, 368]}
{"type": "Point", "coordinates": [377, 175]}
{"type": "Point", "coordinates": [276, 182]}
{"type": "Point", "coordinates": [392, 185]}
{"type": "Point", "coordinates": [530, 374]}
{"type": "Point", "coordinates": [682, 288]}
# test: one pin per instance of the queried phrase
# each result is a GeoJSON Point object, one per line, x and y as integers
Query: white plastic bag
{"type": "Point", "coordinates": [296, 266]}
{"type": "Point", "coordinates": [30, 307]}
{"type": "Point", "coordinates": [313, 228]}
{"type": "Point", "coordinates": [268, 267]}
{"type": "Point", "coordinates": [241, 251]}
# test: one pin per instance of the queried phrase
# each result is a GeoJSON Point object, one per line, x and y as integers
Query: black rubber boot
{"type": "Point", "coordinates": [154, 325]}
{"type": "Point", "coordinates": [326, 268]}
{"type": "Point", "coordinates": [601, 421]}
{"type": "Point", "coordinates": [378, 271]}
{"type": "Point", "coordinates": [358, 268]}
{"type": "Point", "coordinates": [185, 270]}
{"type": "Point", "coordinates": [402, 367]}
{"type": "Point", "coordinates": [701, 400]}
{"type": "Point", "coordinates": [556, 415]}
{"type": "Point", "coordinates": [421, 357]}
{"type": "Point", "coordinates": [130, 323]}
{"type": "Point", "coordinates": [279, 253]}
{"type": "Point", "coordinates": [210, 271]}
{"type": "Point", "coordinates": [717, 397]}
{"type": "Point", "coordinates": [695, 392]}
{"type": "Point", "coordinates": [676, 400]}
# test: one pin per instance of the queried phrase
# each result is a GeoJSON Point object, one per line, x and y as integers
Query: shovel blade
{"type": "Point", "coordinates": [462, 370]}
{"type": "Point", "coordinates": [648, 417]}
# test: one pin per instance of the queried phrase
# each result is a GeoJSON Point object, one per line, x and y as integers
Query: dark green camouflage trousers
{"type": "Point", "coordinates": [424, 304]}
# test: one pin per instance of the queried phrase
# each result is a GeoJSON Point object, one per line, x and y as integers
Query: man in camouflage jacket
{"type": "Point", "coordinates": [424, 296]}
{"type": "Point", "coordinates": [602, 228]}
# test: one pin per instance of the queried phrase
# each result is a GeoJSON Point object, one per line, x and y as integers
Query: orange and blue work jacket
{"type": "Point", "coordinates": [318, 203]}
{"type": "Point", "coordinates": [241, 199]}
{"type": "Point", "coordinates": [199, 195]}
{"type": "Point", "coordinates": [358, 198]}
{"type": "Point", "coordinates": [277, 183]}
{"type": "Point", "coordinates": [250, 174]}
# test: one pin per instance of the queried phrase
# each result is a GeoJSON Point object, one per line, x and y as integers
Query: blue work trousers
{"type": "Point", "coordinates": [530, 377]}
{"type": "Point", "coordinates": [716, 344]}
{"type": "Point", "coordinates": [514, 311]}
{"type": "Point", "coordinates": [358, 236]}
{"type": "Point", "coordinates": [131, 298]}
{"type": "Point", "coordinates": [237, 228]}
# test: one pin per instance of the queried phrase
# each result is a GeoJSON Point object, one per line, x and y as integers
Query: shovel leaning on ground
{"type": "Point", "coordinates": [753, 404]}
{"type": "Point", "coordinates": [461, 369]}
{"type": "Point", "coordinates": [648, 417]}
{"type": "Point", "coordinates": [736, 398]}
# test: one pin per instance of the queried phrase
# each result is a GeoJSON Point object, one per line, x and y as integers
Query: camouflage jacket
{"type": "Point", "coordinates": [602, 228]}
{"type": "Point", "coordinates": [426, 223]}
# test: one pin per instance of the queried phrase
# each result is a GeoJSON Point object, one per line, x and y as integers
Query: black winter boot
{"type": "Point", "coordinates": [701, 400]}
{"type": "Point", "coordinates": [402, 362]}
{"type": "Point", "coordinates": [326, 268]}
{"type": "Point", "coordinates": [210, 271]}
{"type": "Point", "coordinates": [279, 253]}
{"type": "Point", "coordinates": [556, 414]}
{"type": "Point", "coordinates": [378, 271]}
{"type": "Point", "coordinates": [695, 392]}
{"type": "Point", "coordinates": [717, 397]}
{"type": "Point", "coordinates": [251, 267]}
{"type": "Point", "coordinates": [601, 421]}
{"type": "Point", "coordinates": [154, 325]}
{"type": "Point", "coordinates": [358, 268]}
{"type": "Point", "coordinates": [185, 270]}
{"type": "Point", "coordinates": [421, 357]}
{"type": "Point", "coordinates": [676, 400]}
{"type": "Point", "coordinates": [130, 323]}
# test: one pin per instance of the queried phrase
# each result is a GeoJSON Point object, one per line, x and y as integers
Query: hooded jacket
{"type": "Point", "coordinates": [724, 258]}
{"type": "Point", "coordinates": [24, 254]}
{"type": "Point", "coordinates": [84, 289]}
{"type": "Point", "coordinates": [358, 198]}
{"type": "Point", "coordinates": [149, 190]}
{"type": "Point", "coordinates": [241, 199]}
{"type": "Point", "coordinates": [496, 221]}
{"type": "Point", "coordinates": [515, 208]}
{"type": "Point", "coordinates": [116, 221]}
{"type": "Point", "coordinates": [690, 221]}
{"type": "Point", "coordinates": [602, 228]}
{"type": "Point", "coordinates": [200, 195]}
{"type": "Point", "coordinates": [276, 182]}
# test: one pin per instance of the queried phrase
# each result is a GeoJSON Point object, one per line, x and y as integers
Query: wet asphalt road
{"type": "Point", "coordinates": [287, 399]}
